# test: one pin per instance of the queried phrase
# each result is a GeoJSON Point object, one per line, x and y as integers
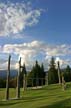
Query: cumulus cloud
{"type": "Point", "coordinates": [61, 61]}
{"type": "Point", "coordinates": [31, 51]}
{"type": "Point", "coordinates": [4, 64]}
{"type": "Point", "coordinates": [58, 50]}
{"type": "Point", "coordinates": [27, 51]}
{"type": "Point", "coordinates": [15, 17]}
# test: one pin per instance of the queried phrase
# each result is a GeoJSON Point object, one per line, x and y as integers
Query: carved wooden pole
{"type": "Point", "coordinates": [18, 80]}
{"type": "Point", "coordinates": [42, 80]}
{"type": "Point", "coordinates": [46, 78]}
{"type": "Point", "coordinates": [24, 82]}
{"type": "Point", "coordinates": [24, 78]}
{"type": "Point", "coordinates": [8, 78]}
{"type": "Point", "coordinates": [36, 81]}
{"type": "Point", "coordinates": [32, 82]}
{"type": "Point", "coordinates": [63, 83]}
{"type": "Point", "coordinates": [59, 73]}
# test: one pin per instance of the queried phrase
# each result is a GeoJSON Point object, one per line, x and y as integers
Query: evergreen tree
{"type": "Point", "coordinates": [67, 73]}
{"type": "Point", "coordinates": [52, 72]}
{"type": "Point", "coordinates": [42, 71]}
{"type": "Point", "coordinates": [36, 74]}
{"type": "Point", "coordinates": [30, 77]}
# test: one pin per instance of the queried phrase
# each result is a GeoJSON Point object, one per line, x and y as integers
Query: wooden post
{"type": "Point", "coordinates": [32, 82]}
{"type": "Point", "coordinates": [24, 77]}
{"type": "Point", "coordinates": [8, 78]}
{"type": "Point", "coordinates": [36, 81]}
{"type": "Point", "coordinates": [42, 81]}
{"type": "Point", "coordinates": [63, 83]}
{"type": "Point", "coordinates": [59, 73]}
{"type": "Point", "coordinates": [24, 82]}
{"type": "Point", "coordinates": [18, 80]}
{"type": "Point", "coordinates": [46, 79]}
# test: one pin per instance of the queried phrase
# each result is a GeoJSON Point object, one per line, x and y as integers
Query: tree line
{"type": "Point", "coordinates": [37, 75]}
{"type": "Point", "coordinates": [53, 73]}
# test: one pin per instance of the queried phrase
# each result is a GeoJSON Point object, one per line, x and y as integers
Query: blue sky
{"type": "Point", "coordinates": [54, 24]}
{"type": "Point", "coordinates": [49, 24]}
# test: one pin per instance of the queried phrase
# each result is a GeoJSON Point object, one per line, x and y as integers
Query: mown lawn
{"type": "Point", "coordinates": [51, 96]}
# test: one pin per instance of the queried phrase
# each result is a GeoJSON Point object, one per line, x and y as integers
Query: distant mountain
{"type": "Point", "coordinates": [3, 73]}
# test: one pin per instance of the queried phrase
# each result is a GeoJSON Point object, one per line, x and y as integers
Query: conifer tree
{"type": "Point", "coordinates": [52, 72]}
{"type": "Point", "coordinates": [37, 73]}
{"type": "Point", "coordinates": [67, 73]}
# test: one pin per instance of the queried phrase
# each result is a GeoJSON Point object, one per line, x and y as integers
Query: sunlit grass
{"type": "Point", "coordinates": [51, 96]}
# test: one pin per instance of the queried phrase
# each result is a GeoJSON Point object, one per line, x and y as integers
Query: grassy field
{"type": "Point", "coordinates": [51, 96]}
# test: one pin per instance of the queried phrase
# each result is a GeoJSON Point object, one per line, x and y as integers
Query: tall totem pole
{"type": "Point", "coordinates": [46, 78]}
{"type": "Point", "coordinates": [59, 73]}
{"type": "Point", "coordinates": [8, 79]}
{"type": "Point", "coordinates": [24, 77]}
{"type": "Point", "coordinates": [63, 82]}
{"type": "Point", "coordinates": [18, 80]}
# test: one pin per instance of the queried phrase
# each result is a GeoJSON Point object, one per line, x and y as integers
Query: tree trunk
{"type": "Point", "coordinates": [8, 78]}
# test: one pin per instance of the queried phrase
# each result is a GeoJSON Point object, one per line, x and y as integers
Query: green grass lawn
{"type": "Point", "coordinates": [51, 96]}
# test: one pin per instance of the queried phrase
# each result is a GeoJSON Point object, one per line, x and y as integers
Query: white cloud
{"type": "Point", "coordinates": [31, 51]}
{"type": "Point", "coordinates": [61, 61]}
{"type": "Point", "coordinates": [58, 50]}
{"type": "Point", "coordinates": [4, 64]}
{"type": "Point", "coordinates": [16, 17]}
